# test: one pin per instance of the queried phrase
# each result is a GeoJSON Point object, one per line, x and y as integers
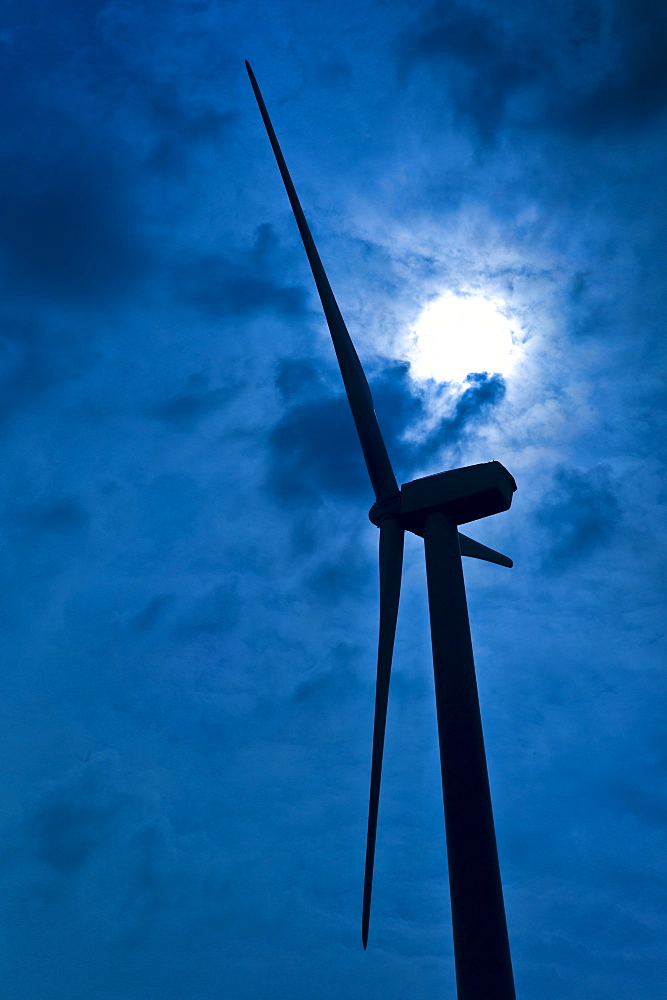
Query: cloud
{"type": "Point", "coordinates": [74, 820]}
{"type": "Point", "coordinates": [183, 129]}
{"type": "Point", "coordinates": [34, 356]}
{"type": "Point", "coordinates": [632, 91]}
{"type": "Point", "coordinates": [314, 446]}
{"type": "Point", "coordinates": [340, 572]}
{"type": "Point", "coordinates": [66, 224]}
{"type": "Point", "coordinates": [481, 393]}
{"type": "Point", "coordinates": [298, 377]}
{"type": "Point", "coordinates": [398, 408]}
{"type": "Point", "coordinates": [314, 450]}
{"type": "Point", "coordinates": [585, 68]}
{"type": "Point", "coordinates": [248, 284]}
{"type": "Point", "coordinates": [187, 408]}
{"type": "Point", "coordinates": [647, 804]}
{"type": "Point", "coordinates": [63, 515]}
{"type": "Point", "coordinates": [483, 69]}
{"type": "Point", "coordinates": [215, 611]}
{"type": "Point", "coordinates": [581, 513]}
{"type": "Point", "coordinates": [154, 613]}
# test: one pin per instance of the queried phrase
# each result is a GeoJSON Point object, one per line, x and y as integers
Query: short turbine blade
{"type": "Point", "coordinates": [391, 566]}
{"type": "Point", "coordinates": [469, 547]}
{"type": "Point", "coordinates": [359, 396]}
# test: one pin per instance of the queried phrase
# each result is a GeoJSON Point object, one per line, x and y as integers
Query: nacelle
{"type": "Point", "coordinates": [463, 494]}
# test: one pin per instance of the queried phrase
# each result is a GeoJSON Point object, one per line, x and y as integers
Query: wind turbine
{"type": "Point", "coordinates": [432, 508]}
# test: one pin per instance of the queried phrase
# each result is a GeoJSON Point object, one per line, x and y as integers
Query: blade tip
{"type": "Point", "coordinates": [365, 924]}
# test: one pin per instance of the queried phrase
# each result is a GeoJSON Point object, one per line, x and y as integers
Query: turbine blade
{"type": "Point", "coordinates": [391, 565]}
{"type": "Point", "coordinates": [359, 396]}
{"type": "Point", "coordinates": [469, 547]}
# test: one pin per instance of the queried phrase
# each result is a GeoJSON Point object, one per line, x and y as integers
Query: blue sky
{"type": "Point", "coordinates": [188, 577]}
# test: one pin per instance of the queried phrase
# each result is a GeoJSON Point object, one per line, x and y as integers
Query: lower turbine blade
{"type": "Point", "coordinates": [391, 566]}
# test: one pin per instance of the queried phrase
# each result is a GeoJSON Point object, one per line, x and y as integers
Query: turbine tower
{"type": "Point", "coordinates": [431, 507]}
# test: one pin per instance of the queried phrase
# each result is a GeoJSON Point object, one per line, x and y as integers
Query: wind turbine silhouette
{"type": "Point", "coordinates": [431, 507]}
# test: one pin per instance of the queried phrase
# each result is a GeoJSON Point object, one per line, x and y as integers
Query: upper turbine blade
{"type": "Point", "coordinates": [391, 566]}
{"type": "Point", "coordinates": [359, 397]}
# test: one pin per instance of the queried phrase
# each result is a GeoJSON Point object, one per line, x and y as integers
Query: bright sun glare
{"type": "Point", "coordinates": [456, 335]}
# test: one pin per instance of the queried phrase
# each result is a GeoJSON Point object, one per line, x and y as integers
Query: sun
{"type": "Point", "coordinates": [456, 335]}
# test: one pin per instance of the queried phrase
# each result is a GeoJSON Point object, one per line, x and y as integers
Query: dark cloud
{"type": "Point", "coordinates": [216, 611]}
{"type": "Point", "coordinates": [55, 36]}
{"type": "Point", "coordinates": [75, 174]}
{"type": "Point", "coordinates": [247, 284]}
{"type": "Point", "coordinates": [480, 394]}
{"type": "Point", "coordinates": [223, 289]}
{"type": "Point", "coordinates": [589, 308]}
{"type": "Point", "coordinates": [344, 571]}
{"type": "Point", "coordinates": [153, 613]}
{"type": "Point", "coordinates": [581, 513]}
{"type": "Point", "coordinates": [484, 69]}
{"type": "Point", "coordinates": [503, 69]}
{"type": "Point", "coordinates": [57, 515]}
{"type": "Point", "coordinates": [67, 229]}
{"type": "Point", "coordinates": [196, 401]}
{"type": "Point", "coordinates": [74, 821]}
{"type": "Point", "coordinates": [34, 356]}
{"type": "Point", "coordinates": [297, 378]}
{"type": "Point", "coordinates": [334, 683]}
{"type": "Point", "coordinates": [314, 446]}
{"type": "Point", "coordinates": [69, 215]}
{"type": "Point", "coordinates": [183, 130]}
{"type": "Point", "coordinates": [633, 89]}
{"type": "Point", "coordinates": [397, 408]}
{"type": "Point", "coordinates": [648, 804]}
{"type": "Point", "coordinates": [315, 450]}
